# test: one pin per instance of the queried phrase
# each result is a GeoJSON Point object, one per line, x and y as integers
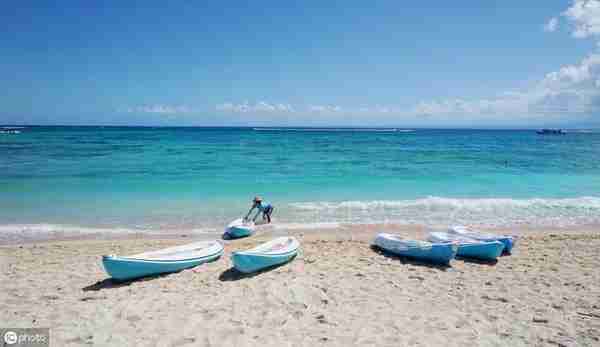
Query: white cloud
{"type": "Point", "coordinates": [585, 17]}
{"type": "Point", "coordinates": [570, 91]}
{"type": "Point", "coordinates": [324, 108]}
{"type": "Point", "coordinates": [552, 25]}
{"type": "Point", "coordinates": [258, 107]}
{"type": "Point", "coordinates": [159, 109]}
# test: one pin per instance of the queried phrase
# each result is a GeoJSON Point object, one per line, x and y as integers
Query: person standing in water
{"type": "Point", "coordinates": [262, 207]}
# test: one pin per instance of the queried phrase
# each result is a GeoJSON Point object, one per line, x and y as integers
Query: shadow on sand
{"type": "Point", "coordinates": [232, 274]}
{"type": "Point", "coordinates": [110, 283]}
{"type": "Point", "coordinates": [412, 261]}
{"type": "Point", "coordinates": [478, 261]}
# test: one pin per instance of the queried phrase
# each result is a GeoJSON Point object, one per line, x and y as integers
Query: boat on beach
{"type": "Point", "coordinates": [508, 240]}
{"type": "Point", "coordinates": [434, 252]}
{"type": "Point", "coordinates": [275, 252]}
{"type": "Point", "coordinates": [468, 247]}
{"type": "Point", "coordinates": [239, 228]}
{"type": "Point", "coordinates": [166, 260]}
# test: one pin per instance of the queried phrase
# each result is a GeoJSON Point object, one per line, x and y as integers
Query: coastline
{"type": "Point", "coordinates": [337, 292]}
{"type": "Point", "coordinates": [11, 235]}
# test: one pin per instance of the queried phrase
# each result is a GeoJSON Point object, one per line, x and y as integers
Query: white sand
{"type": "Point", "coordinates": [338, 292]}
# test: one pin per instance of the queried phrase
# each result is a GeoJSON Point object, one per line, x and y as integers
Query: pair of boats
{"type": "Point", "coordinates": [174, 259]}
{"type": "Point", "coordinates": [442, 247]}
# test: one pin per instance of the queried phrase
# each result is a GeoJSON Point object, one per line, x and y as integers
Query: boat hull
{"type": "Point", "coordinates": [254, 260]}
{"type": "Point", "coordinates": [237, 229]}
{"type": "Point", "coordinates": [484, 250]}
{"type": "Point", "coordinates": [507, 240]}
{"type": "Point", "coordinates": [239, 232]}
{"type": "Point", "coordinates": [471, 248]}
{"type": "Point", "coordinates": [439, 253]}
{"type": "Point", "coordinates": [123, 268]}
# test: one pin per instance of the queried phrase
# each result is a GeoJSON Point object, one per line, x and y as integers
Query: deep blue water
{"type": "Point", "coordinates": [194, 178]}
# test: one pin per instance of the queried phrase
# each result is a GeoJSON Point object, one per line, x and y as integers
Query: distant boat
{"type": "Point", "coordinates": [10, 130]}
{"type": "Point", "coordinates": [275, 252]}
{"type": "Point", "coordinates": [551, 132]}
{"type": "Point", "coordinates": [440, 253]}
{"type": "Point", "coordinates": [166, 260]}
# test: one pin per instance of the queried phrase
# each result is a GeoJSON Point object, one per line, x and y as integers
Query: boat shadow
{"type": "Point", "coordinates": [232, 274]}
{"type": "Point", "coordinates": [477, 261]}
{"type": "Point", "coordinates": [110, 283]}
{"type": "Point", "coordinates": [411, 261]}
{"type": "Point", "coordinates": [228, 237]}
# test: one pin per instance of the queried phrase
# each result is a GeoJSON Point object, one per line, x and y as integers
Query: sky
{"type": "Point", "coordinates": [463, 63]}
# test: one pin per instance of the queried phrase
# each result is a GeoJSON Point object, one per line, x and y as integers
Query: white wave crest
{"type": "Point", "coordinates": [439, 210]}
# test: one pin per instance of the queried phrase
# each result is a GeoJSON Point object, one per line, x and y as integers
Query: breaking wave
{"type": "Point", "coordinates": [445, 211]}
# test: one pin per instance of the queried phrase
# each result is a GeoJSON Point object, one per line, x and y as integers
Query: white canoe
{"type": "Point", "coordinates": [274, 252]}
{"type": "Point", "coordinates": [166, 260]}
{"type": "Point", "coordinates": [240, 228]}
{"type": "Point", "coordinates": [508, 240]}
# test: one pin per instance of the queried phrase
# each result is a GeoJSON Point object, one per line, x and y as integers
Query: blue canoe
{"type": "Point", "coordinates": [470, 248]}
{"type": "Point", "coordinates": [166, 260]}
{"type": "Point", "coordinates": [508, 240]}
{"type": "Point", "coordinates": [274, 252]}
{"type": "Point", "coordinates": [239, 228]}
{"type": "Point", "coordinates": [441, 253]}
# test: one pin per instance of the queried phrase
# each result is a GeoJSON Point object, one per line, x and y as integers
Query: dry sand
{"type": "Point", "coordinates": [338, 292]}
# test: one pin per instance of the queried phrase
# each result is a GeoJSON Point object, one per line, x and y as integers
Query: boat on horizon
{"type": "Point", "coordinates": [550, 132]}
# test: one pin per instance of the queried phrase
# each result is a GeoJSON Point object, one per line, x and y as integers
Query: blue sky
{"type": "Point", "coordinates": [354, 63]}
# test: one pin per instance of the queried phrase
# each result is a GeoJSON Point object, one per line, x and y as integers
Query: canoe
{"type": "Point", "coordinates": [508, 240]}
{"type": "Point", "coordinates": [274, 252]}
{"type": "Point", "coordinates": [240, 228]}
{"type": "Point", "coordinates": [438, 252]}
{"type": "Point", "coordinates": [468, 247]}
{"type": "Point", "coordinates": [166, 260]}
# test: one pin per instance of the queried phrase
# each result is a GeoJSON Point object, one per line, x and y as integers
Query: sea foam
{"type": "Point", "coordinates": [440, 210]}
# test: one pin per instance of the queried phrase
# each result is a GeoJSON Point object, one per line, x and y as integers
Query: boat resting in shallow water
{"type": "Point", "coordinates": [274, 252]}
{"type": "Point", "coordinates": [468, 247]}
{"type": "Point", "coordinates": [508, 240]}
{"type": "Point", "coordinates": [166, 260]}
{"type": "Point", "coordinates": [441, 253]}
{"type": "Point", "coordinates": [239, 228]}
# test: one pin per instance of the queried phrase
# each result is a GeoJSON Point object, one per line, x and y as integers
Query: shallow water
{"type": "Point", "coordinates": [201, 178]}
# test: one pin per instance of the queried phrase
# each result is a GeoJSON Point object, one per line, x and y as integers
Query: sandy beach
{"type": "Point", "coordinates": [337, 292]}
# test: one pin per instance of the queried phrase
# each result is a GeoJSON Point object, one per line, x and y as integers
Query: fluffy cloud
{"type": "Point", "coordinates": [324, 108]}
{"type": "Point", "coordinates": [572, 91]}
{"type": "Point", "coordinates": [263, 107]}
{"type": "Point", "coordinates": [585, 17]}
{"type": "Point", "coordinates": [552, 25]}
{"type": "Point", "coordinates": [259, 107]}
{"type": "Point", "coordinates": [159, 109]}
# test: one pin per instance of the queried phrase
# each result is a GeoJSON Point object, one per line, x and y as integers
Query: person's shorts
{"type": "Point", "coordinates": [268, 210]}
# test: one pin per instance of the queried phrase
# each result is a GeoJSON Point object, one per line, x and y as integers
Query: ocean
{"type": "Point", "coordinates": [160, 179]}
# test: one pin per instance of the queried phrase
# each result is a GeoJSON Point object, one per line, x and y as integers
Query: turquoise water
{"type": "Point", "coordinates": [200, 178]}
